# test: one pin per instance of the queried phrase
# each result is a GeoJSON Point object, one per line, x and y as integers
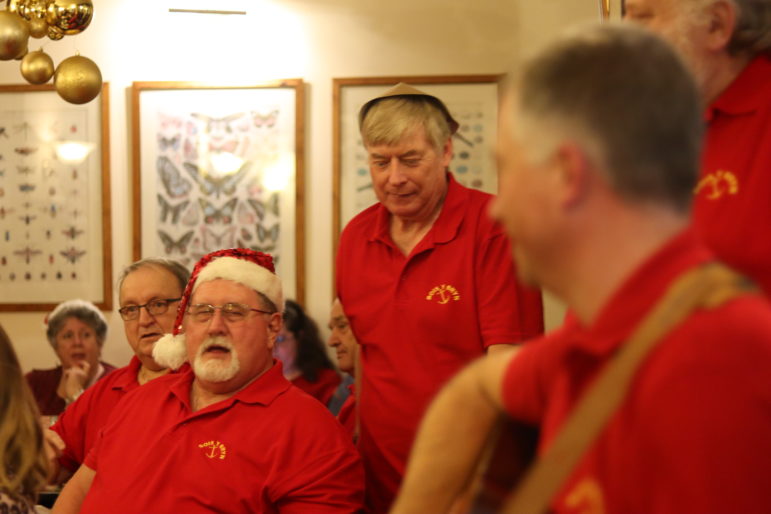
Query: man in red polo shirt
{"type": "Point", "coordinates": [426, 277]}
{"type": "Point", "coordinates": [147, 290]}
{"type": "Point", "coordinates": [598, 154]}
{"type": "Point", "coordinates": [727, 46]}
{"type": "Point", "coordinates": [228, 433]}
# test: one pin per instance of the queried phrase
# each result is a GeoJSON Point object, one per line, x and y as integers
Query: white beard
{"type": "Point", "coordinates": [213, 369]}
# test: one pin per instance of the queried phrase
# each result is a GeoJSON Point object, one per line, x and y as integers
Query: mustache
{"type": "Point", "coordinates": [219, 341]}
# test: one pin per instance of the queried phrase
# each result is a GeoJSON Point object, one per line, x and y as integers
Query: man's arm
{"type": "Point", "coordinates": [452, 435]}
{"type": "Point", "coordinates": [73, 494]}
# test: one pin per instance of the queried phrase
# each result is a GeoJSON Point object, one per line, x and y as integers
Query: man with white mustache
{"type": "Point", "coordinates": [228, 433]}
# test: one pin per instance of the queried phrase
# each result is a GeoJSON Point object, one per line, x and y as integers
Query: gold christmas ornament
{"type": "Point", "coordinates": [38, 28]}
{"type": "Point", "coordinates": [32, 9]}
{"type": "Point", "coordinates": [70, 16]}
{"type": "Point", "coordinates": [37, 67]}
{"type": "Point", "coordinates": [22, 53]}
{"type": "Point", "coordinates": [55, 33]}
{"type": "Point", "coordinates": [14, 33]}
{"type": "Point", "coordinates": [14, 5]}
{"type": "Point", "coordinates": [78, 79]}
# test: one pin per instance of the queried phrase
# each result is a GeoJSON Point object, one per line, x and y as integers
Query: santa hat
{"type": "Point", "coordinates": [241, 265]}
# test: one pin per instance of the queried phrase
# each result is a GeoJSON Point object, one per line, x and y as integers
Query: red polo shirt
{"type": "Point", "coordinates": [422, 317]}
{"type": "Point", "coordinates": [323, 388]}
{"type": "Point", "coordinates": [692, 435]}
{"type": "Point", "coordinates": [269, 448]}
{"type": "Point", "coordinates": [733, 199]}
{"type": "Point", "coordinates": [80, 423]}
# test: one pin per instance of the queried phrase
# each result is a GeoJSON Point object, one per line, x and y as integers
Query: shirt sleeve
{"type": "Point", "coordinates": [71, 427]}
{"type": "Point", "coordinates": [509, 312]}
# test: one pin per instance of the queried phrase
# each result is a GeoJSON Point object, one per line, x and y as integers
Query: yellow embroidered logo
{"type": "Point", "coordinates": [718, 184]}
{"type": "Point", "coordinates": [586, 497]}
{"type": "Point", "coordinates": [214, 449]}
{"type": "Point", "coordinates": [443, 294]}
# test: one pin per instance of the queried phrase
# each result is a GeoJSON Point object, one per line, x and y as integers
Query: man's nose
{"type": "Point", "coordinates": [145, 318]}
{"type": "Point", "coordinates": [396, 174]}
{"type": "Point", "coordinates": [217, 323]}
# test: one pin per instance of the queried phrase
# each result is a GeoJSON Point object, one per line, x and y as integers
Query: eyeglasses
{"type": "Point", "coordinates": [154, 307]}
{"type": "Point", "coordinates": [232, 312]}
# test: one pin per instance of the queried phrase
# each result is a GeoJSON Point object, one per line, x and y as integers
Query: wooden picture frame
{"type": "Point", "coordinates": [55, 241]}
{"type": "Point", "coordinates": [219, 166]}
{"type": "Point", "coordinates": [472, 100]}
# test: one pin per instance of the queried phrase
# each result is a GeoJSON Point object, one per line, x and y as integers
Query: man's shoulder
{"type": "Point", "coordinates": [362, 222]}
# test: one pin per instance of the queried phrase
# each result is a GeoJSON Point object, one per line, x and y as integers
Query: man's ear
{"type": "Point", "coordinates": [573, 173]}
{"type": "Point", "coordinates": [274, 327]}
{"type": "Point", "coordinates": [447, 152]}
{"type": "Point", "coordinates": [721, 23]}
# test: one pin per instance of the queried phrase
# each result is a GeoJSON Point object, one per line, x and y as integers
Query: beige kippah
{"type": "Point", "coordinates": [402, 89]}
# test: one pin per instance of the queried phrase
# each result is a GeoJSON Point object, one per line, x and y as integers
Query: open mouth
{"type": "Point", "coordinates": [153, 336]}
{"type": "Point", "coordinates": [217, 349]}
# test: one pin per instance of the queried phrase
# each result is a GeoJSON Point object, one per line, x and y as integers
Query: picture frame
{"type": "Point", "coordinates": [611, 10]}
{"type": "Point", "coordinates": [55, 213]}
{"type": "Point", "coordinates": [219, 166]}
{"type": "Point", "coordinates": [471, 99]}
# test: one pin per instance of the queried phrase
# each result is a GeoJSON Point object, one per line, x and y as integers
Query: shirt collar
{"type": "Point", "coordinates": [263, 390]}
{"type": "Point", "coordinates": [129, 380]}
{"type": "Point", "coordinates": [637, 295]}
{"type": "Point", "coordinates": [446, 225]}
{"type": "Point", "coordinates": [745, 94]}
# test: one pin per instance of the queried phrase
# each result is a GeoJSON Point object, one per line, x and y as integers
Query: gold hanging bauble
{"type": "Point", "coordinates": [14, 5]}
{"type": "Point", "coordinates": [38, 28]}
{"type": "Point", "coordinates": [55, 33]}
{"type": "Point", "coordinates": [70, 16]}
{"type": "Point", "coordinates": [22, 53]}
{"type": "Point", "coordinates": [14, 33]}
{"type": "Point", "coordinates": [33, 9]}
{"type": "Point", "coordinates": [78, 79]}
{"type": "Point", "coordinates": [37, 67]}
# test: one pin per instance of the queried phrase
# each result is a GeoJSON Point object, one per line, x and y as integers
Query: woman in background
{"type": "Point", "coordinates": [76, 330]}
{"type": "Point", "coordinates": [24, 468]}
{"type": "Point", "coordinates": [302, 352]}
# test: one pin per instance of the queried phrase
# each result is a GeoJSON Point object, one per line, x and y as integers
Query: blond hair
{"type": "Point", "coordinates": [389, 120]}
{"type": "Point", "coordinates": [24, 468]}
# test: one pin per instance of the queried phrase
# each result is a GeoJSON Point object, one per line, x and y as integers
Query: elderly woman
{"type": "Point", "coordinates": [23, 461]}
{"type": "Point", "coordinates": [76, 330]}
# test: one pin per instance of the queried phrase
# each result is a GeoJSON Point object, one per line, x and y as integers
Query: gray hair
{"type": "Point", "coordinates": [753, 27]}
{"type": "Point", "coordinates": [82, 310]}
{"type": "Point", "coordinates": [624, 94]}
{"type": "Point", "coordinates": [389, 120]}
{"type": "Point", "coordinates": [179, 271]}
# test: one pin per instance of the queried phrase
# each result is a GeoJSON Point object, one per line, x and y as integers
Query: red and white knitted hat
{"type": "Point", "coordinates": [241, 265]}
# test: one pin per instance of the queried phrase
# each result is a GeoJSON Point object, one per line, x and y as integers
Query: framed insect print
{"type": "Point", "coordinates": [471, 99]}
{"type": "Point", "coordinates": [220, 167]}
{"type": "Point", "coordinates": [611, 9]}
{"type": "Point", "coordinates": [55, 240]}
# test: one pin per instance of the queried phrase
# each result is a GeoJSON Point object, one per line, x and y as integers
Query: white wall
{"type": "Point", "coordinates": [317, 40]}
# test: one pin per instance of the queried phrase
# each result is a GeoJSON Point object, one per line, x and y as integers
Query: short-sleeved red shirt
{"type": "Point", "coordinates": [732, 211]}
{"type": "Point", "coordinates": [80, 423]}
{"type": "Point", "coordinates": [268, 448]}
{"type": "Point", "coordinates": [692, 434]}
{"type": "Point", "coordinates": [422, 317]}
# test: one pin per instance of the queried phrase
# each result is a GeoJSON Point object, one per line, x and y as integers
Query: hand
{"type": "Point", "coordinates": [75, 379]}
{"type": "Point", "coordinates": [54, 446]}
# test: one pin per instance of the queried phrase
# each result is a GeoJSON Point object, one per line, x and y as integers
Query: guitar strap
{"type": "Point", "coordinates": [704, 287]}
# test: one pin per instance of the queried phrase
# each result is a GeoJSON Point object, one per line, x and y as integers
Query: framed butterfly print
{"type": "Point", "coordinates": [55, 239]}
{"type": "Point", "coordinates": [220, 167]}
{"type": "Point", "coordinates": [472, 100]}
